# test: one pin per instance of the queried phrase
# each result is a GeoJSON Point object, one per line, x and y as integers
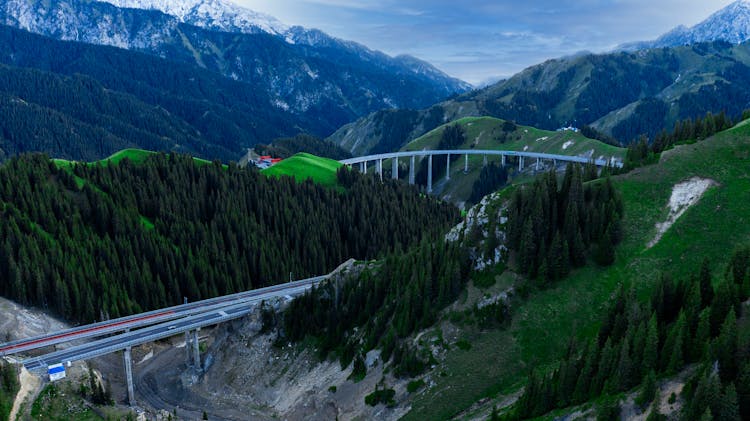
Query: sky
{"type": "Point", "coordinates": [484, 40]}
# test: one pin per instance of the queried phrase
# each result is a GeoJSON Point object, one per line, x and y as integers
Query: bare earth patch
{"type": "Point", "coordinates": [684, 195]}
{"type": "Point", "coordinates": [18, 322]}
{"type": "Point", "coordinates": [30, 386]}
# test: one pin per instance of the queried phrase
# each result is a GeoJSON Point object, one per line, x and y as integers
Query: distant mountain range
{"type": "Point", "coordinates": [642, 88]}
{"type": "Point", "coordinates": [215, 15]}
{"type": "Point", "coordinates": [622, 94]}
{"type": "Point", "coordinates": [309, 81]}
{"type": "Point", "coordinates": [730, 24]}
{"type": "Point", "coordinates": [82, 101]}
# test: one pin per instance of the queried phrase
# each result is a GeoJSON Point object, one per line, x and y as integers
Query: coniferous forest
{"type": "Point", "coordinates": [683, 323]}
{"type": "Point", "coordinates": [8, 387]}
{"type": "Point", "coordinates": [101, 241]}
{"type": "Point", "coordinates": [554, 229]}
{"type": "Point", "coordinates": [382, 306]}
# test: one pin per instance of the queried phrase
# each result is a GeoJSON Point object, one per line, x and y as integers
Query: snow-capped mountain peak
{"type": "Point", "coordinates": [211, 14]}
{"type": "Point", "coordinates": [730, 24]}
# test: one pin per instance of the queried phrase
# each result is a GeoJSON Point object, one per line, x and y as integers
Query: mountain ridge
{"type": "Point", "coordinates": [210, 14]}
{"type": "Point", "coordinates": [730, 24]}
{"type": "Point", "coordinates": [333, 83]}
{"type": "Point", "coordinates": [621, 94]}
{"type": "Point", "coordinates": [225, 16]}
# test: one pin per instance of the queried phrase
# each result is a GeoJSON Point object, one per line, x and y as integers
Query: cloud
{"type": "Point", "coordinates": [478, 39]}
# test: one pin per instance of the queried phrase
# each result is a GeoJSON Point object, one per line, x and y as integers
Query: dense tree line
{"type": "Point", "coordinates": [529, 106]}
{"type": "Point", "coordinates": [552, 229]}
{"type": "Point", "coordinates": [395, 129]}
{"type": "Point", "coordinates": [288, 146]}
{"type": "Point", "coordinates": [648, 118]}
{"type": "Point", "coordinates": [491, 178]}
{"type": "Point", "coordinates": [643, 152]}
{"type": "Point", "coordinates": [138, 237]}
{"type": "Point", "coordinates": [8, 388]}
{"type": "Point", "coordinates": [682, 323]}
{"type": "Point", "coordinates": [381, 306]}
{"type": "Point", "coordinates": [620, 79]}
{"type": "Point", "coordinates": [593, 133]}
{"type": "Point", "coordinates": [133, 98]}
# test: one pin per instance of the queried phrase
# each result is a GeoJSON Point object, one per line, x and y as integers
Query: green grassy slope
{"type": "Point", "coordinates": [487, 133]}
{"type": "Point", "coordinates": [135, 156]}
{"type": "Point", "coordinates": [303, 166]}
{"type": "Point", "coordinates": [500, 360]}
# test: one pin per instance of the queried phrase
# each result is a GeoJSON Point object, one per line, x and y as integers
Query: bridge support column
{"type": "Point", "coordinates": [484, 162]}
{"type": "Point", "coordinates": [411, 171]}
{"type": "Point", "coordinates": [196, 352]}
{"type": "Point", "coordinates": [429, 174]}
{"type": "Point", "coordinates": [466, 164]}
{"type": "Point", "coordinates": [520, 163]}
{"type": "Point", "coordinates": [554, 163]}
{"type": "Point", "coordinates": [187, 338]}
{"type": "Point", "coordinates": [502, 160]}
{"type": "Point", "coordinates": [537, 164]}
{"type": "Point", "coordinates": [394, 168]}
{"type": "Point", "coordinates": [129, 376]}
{"type": "Point", "coordinates": [380, 169]}
{"type": "Point", "coordinates": [448, 168]}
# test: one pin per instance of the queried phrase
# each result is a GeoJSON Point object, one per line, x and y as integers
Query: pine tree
{"type": "Point", "coordinates": [706, 289]}
{"type": "Point", "coordinates": [527, 248]}
{"type": "Point", "coordinates": [625, 367]}
{"type": "Point", "coordinates": [651, 348]}
{"type": "Point", "coordinates": [743, 391]}
{"type": "Point", "coordinates": [728, 407]}
{"type": "Point", "coordinates": [555, 265]}
{"type": "Point", "coordinates": [605, 255]}
{"type": "Point", "coordinates": [723, 301]}
{"type": "Point", "coordinates": [725, 349]}
{"type": "Point", "coordinates": [702, 336]}
{"type": "Point", "coordinates": [586, 376]}
{"type": "Point", "coordinates": [655, 414]}
{"type": "Point", "coordinates": [677, 359]}
{"type": "Point", "coordinates": [648, 390]}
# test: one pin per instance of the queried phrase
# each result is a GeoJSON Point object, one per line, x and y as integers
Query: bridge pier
{"type": "Point", "coordinates": [484, 162]}
{"type": "Point", "coordinates": [129, 376]}
{"type": "Point", "coordinates": [196, 352]}
{"type": "Point", "coordinates": [380, 169]}
{"type": "Point", "coordinates": [394, 168]}
{"type": "Point", "coordinates": [466, 164]}
{"type": "Point", "coordinates": [411, 171]}
{"type": "Point", "coordinates": [502, 160]}
{"type": "Point", "coordinates": [187, 338]}
{"type": "Point", "coordinates": [448, 168]}
{"type": "Point", "coordinates": [537, 164]}
{"type": "Point", "coordinates": [520, 163]}
{"type": "Point", "coordinates": [429, 174]}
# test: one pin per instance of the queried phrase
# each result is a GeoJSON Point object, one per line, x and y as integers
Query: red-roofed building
{"type": "Point", "coordinates": [267, 161]}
